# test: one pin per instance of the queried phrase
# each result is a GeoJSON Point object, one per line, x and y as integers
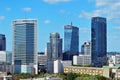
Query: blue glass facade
{"type": "Point", "coordinates": [2, 42]}
{"type": "Point", "coordinates": [24, 42]}
{"type": "Point", "coordinates": [99, 41]}
{"type": "Point", "coordinates": [71, 40]}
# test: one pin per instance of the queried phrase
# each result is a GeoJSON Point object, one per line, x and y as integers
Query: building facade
{"type": "Point", "coordinates": [2, 42]}
{"type": "Point", "coordinates": [71, 41]}
{"type": "Point", "coordinates": [99, 40]}
{"type": "Point", "coordinates": [106, 72]}
{"type": "Point", "coordinates": [54, 47]}
{"type": "Point", "coordinates": [5, 61]}
{"type": "Point", "coordinates": [24, 46]}
{"type": "Point", "coordinates": [86, 48]}
{"type": "Point", "coordinates": [82, 60]}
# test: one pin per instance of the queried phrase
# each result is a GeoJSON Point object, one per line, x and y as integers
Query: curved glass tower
{"type": "Point", "coordinates": [71, 41]}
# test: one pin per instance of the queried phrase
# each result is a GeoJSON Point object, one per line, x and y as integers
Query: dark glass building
{"type": "Point", "coordinates": [99, 41]}
{"type": "Point", "coordinates": [25, 45]}
{"type": "Point", "coordinates": [2, 42]}
{"type": "Point", "coordinates": [54, 47]}
{"type": "Point", "coordinates": [71, 41]}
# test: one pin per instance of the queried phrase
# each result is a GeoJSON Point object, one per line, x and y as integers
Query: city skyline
{"type": "Point", "coordinates": [53, 15]}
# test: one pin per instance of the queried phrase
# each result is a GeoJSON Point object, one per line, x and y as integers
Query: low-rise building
{"type": "Point", "coordinates": [106, 71]}
{"type": "Point", "coordinates": [4, 76]}
{"type": "Point", "coordinates": [82, 60]}
{"type": "Point", "coordinates": [42, 59]}
{"type": "Point", "coordinates": [88, 70]}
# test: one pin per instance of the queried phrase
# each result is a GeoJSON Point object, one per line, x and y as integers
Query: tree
{"type": "Point", "coordinates": [71, 76]}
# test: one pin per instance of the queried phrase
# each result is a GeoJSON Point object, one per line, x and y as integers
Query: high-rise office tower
{"type": "Point", "coordinates": [99, 40]}
{"type": "Point", "coordinates": [49, 54]}
{"type": "Point", "coordinates": [54, 47]}
{"type": "Point", "coordinates": [86, 48]}
{"type": "Point", "coordinates": [71, 41]}
{"type": "Point", "coordinates": [25, 46]}
{"type": "Point", "coordinates": [2, 42]}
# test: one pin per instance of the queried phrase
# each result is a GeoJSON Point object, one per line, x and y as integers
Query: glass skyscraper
{"type": "Point", "coordinates": [2, 42]}
{"type": "Point", "coordinates": [99, 41]}
{"type": "Point", "coordinates": [71, 40]}
{"type": "Point", "coordinates": [54, 47]}
{"type": "Point", "coordinates": [25, 46]}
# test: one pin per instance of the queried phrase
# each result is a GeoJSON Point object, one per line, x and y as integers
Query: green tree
{"type": "Point", "coordinates": [71, 76]}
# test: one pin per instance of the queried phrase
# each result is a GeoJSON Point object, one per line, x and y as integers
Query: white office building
{"type": "Point", "coordinates": [82, 60]}
{"type": "Point", "coordinates": [42, 59]}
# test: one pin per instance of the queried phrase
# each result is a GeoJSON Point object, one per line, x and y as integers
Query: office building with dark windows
{"type": "Point", "coordinates": [24, 50]}
{"type": "Point", "coordinates": [99, 40]}
{"type": "Point", "coordinates": [71, 41]}
{"type": "Point", "coordinates": [2, 42]}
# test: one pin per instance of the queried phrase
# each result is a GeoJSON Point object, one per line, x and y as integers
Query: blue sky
{"type": "Point", "coordinates": [52, 15]}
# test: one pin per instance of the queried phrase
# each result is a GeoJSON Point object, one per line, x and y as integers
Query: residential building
{"type": "Point", "coordinates": [2, 42]}
{"type": "Point", "coordinates": [71, 41]}
{"type": "Point", "coordinates": [24, 46]}
{"type": "Point", "coordinates": [99, 41]}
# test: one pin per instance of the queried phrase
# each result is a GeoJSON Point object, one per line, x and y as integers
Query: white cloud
{"type": "Point", "coordinates": [8, 9]}
{"type": "Point", "coordinates": [62, 11]}
{"type": "Point", "coordinates": [2, 17]}
{"type": "Point", "coordinates": [89, 15]}
{"type": "Point", "coordinates": [107, 8]}
{"type": "Point", "coordinates": [101, 3]}
{"type": "Point", "coordinates": [84, 30]}
{"type": "Point", "coordinates": [27, 9]}
{"type": "Point", "coordinates": [118, 27]}
{"type": "Point", "coordinates": [55, 1]}
{"type": "Point", "coordinates": [47, 21]}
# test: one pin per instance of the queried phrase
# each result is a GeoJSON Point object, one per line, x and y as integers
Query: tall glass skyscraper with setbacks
{"type": "Point", "coordinates": [71, 40]}
{"type": "Point", "coordinates": [2, 42]}
{"type": "Point", "coordinates": [54, 47]}
{"type": "Point", "coordinates": [99, 41]}
{"type": "Point", "coordinates": [25, 46]}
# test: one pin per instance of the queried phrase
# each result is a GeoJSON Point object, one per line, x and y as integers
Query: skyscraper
{"type": "Point", "coordinates": [54, 47]}
{"type": "Point", "coordinates": [86, 48]}
{"type": "Point", "coordinates": [71, 40]}
{"type": "Point", "coordinates": [2, 42]}
{"type": "Point", "coordinates": [99, 41]}
{"type": "Point", "coordinates": [25, 46]}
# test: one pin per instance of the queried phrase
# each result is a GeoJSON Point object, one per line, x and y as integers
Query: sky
{"type": "Point", "coordinates": [53, 15]}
